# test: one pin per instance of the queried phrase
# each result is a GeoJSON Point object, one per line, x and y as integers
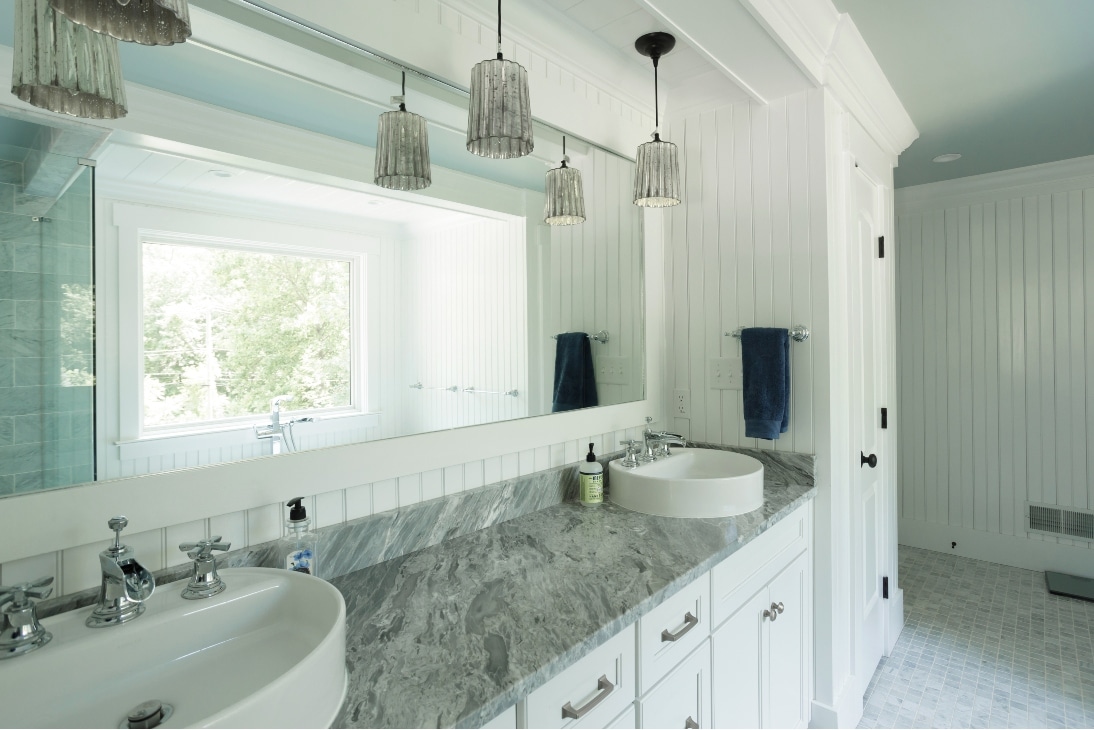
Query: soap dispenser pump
{"type": "Point", "coordinates": [300, 542]}
{"type": "Point", "coordinates": [591, 481]}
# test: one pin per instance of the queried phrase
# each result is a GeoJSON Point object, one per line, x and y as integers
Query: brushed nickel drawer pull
{"type": "Point", "coordinates": [690, 622]}
{"type": "Point", "coordinates": [605, 687]}
{"type": "Point", "coordinates": [690, 724]}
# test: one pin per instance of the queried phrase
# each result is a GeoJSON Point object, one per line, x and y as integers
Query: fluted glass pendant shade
{"type": "Point", "coordinates": [565, 203]}
{"type": "Point", "coordinates": [402, 150]}
{"type": "Point", "coordinates": [65, 67]}
{"type": "Point", "coordinates": [499, 118]}
{"type": "Point", "coordinates": [149, 22]}
{"type": "Point", "coordinates": [656, 168]}
{"type": "Point", "coordinates": [656, 175]}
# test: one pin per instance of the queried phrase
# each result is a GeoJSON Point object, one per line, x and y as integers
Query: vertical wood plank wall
{"type": "Point", "coordinates": [462, 322]}
{"type": "Point", "coordinates": [995, 323]}
{"type": "Point", "coordinates": [593, 276]}
{"type": "Point", "coordinates": [742, 250]}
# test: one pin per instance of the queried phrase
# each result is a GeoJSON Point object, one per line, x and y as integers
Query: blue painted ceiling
{"type": "Point", "coordinates": [1005, 83]}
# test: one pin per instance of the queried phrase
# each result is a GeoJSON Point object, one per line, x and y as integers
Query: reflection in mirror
{"type": "Point", "coordinates": [256, 314]}
{"type": "Point", "coordinates": [46, 309]}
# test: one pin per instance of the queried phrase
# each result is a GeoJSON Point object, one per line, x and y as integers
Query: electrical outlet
{"type": "Point", "coordinates": [681, 403]}
{"type": "Point", "coordinates": [726, 373]}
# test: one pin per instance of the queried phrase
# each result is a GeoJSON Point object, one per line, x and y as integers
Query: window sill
{"type": "Point", "coordinates": [238, 435]}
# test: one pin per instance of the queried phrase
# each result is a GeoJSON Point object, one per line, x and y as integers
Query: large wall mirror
{"type": "Point", "coordinates": [174, 307]}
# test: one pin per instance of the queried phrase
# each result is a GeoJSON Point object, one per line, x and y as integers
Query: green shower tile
{"type": "Point", "coordinates": [7, 485]}
{"type": "Point", "coordinates": [7, 372]}
{"type": "Point", "coordinates": [6, 428]}
{"type": "Point", "coordinates": [28, 258]}
{"type": "Point", "coordinates": [7, 255]}
{"type": "Point", "coordinates": [11, 172]}
{"type": "Point", "coordinates": [7, 314]}
{"type": "Point", "coordinates": [7, 198]}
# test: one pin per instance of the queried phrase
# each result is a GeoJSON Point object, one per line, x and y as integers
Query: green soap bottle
{"type": "Point", "coordinates": [591, 476]}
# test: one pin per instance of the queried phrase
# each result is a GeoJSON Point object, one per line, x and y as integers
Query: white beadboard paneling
{"type": "Point", "coordinates": [231, 527]}
{"type": "Point", "coordinates": [432, 484]}
{"type": "Point", "coordinates": [385, 495]}
{"type": "Point", "coordinates": [329, 508]}
{"type": "Point", "coordinates": [264, 523]}
{"type": "Point", "coordinates": [29, 569]}
{"type": "Point", "coordinates": [741, 252]}
{"type": "Point", "coordinates": [358, 502]}
{"type": "Point", "coordinates": [410, 489]}
{"type": "Point", "coordinates": [996, 298]}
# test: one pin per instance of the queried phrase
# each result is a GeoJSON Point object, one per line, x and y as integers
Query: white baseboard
{"type": "Point", "coordinates": [846, 713]}
{"type": "Point", "coordinates": [1018, 551]}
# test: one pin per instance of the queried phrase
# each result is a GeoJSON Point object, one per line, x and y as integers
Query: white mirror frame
{"type": "Point", "coordinates": [53, 520]}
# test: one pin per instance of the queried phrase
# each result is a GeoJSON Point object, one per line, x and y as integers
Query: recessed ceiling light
{"type": "Point", "coordinates": [221, 173]}
{"type": "Point", "coordinates": [948, 157]}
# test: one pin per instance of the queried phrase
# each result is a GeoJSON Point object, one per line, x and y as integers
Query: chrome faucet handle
{"type": "Point", "coordinates": [18, 594]}
{"type": "Point", "coordinates": [204, 581]}
{"type": "Point", "coordinates": [117, 524]}
{"type": "Point", "coordinates": [204, 548]}
{"type": "Point", "coordinates": [630, 459]}
{"type": "Point", "coordinates": [20, 630]}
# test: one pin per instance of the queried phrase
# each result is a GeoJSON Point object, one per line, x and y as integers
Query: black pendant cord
{"type": "Point", "coordinates": [564, 150]}
{"type": "Point", "coordinates": [499, 30]}
{"type": "Point", "coordinates": [402, 104]}
{"type": "Point", "coordinates": [656, 104]}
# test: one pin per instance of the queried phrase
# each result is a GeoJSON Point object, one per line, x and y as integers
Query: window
{"type": "Point", "coordinates": [225, 329]}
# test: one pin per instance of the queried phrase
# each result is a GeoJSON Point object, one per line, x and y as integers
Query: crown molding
{"type": "Point", "coordinates": [1050, 177]}
{"type": "Point", "coordinates": [829, 49]}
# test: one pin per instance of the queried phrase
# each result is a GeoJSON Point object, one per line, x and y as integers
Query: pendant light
{"type": "Point", "coordinates": [657, 171]}
{"type": "Point", "coordinates": [499, 117]}
{"type": "Point", "coordinates": [148, 22]}
{"type": "Point", "coordinates": [64, 67]}
{"type": "Point", "coordinates": [565, 204]}
{"type": "Point", "coordinates": [402, 149]}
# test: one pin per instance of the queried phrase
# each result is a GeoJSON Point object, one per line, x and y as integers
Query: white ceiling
{"type": "Point", "coordinates": [1005, 83]}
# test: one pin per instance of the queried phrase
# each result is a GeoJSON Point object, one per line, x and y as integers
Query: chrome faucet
{"type": "Point", "coordinates": [126, 584]}
{"type": "Point", "coordinates": [657, 443]}
{"type": "Point", "coordinates": [20, 630]}
{"type": "Point", "coordinates": [280, 434]}
{"type": "Point", "coordinates": [204, 581]}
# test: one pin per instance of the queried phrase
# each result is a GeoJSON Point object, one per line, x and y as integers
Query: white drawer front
{"type": "Point", "coordinates": [507, 720]}
{"type": "Point", "coordinates": [681, 699]}
{"type": "Point", "coordinates": [752, 567]}
{"type": "Point", "coordinates": [671, 631]}
{"type": "Point", "coordinates": [627, 720]}
{"type": "Point", "coordinates": [583, 688]}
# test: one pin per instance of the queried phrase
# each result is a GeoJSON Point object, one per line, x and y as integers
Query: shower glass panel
{"type": "Point", "coordinates": [47, 375]}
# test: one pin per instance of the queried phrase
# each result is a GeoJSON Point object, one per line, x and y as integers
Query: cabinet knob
{"type": "Point", "coordinates": [778, 606]}
{"type": "Point", "coordinates": [690, 724]}
{"type": "Point", "coordinates": [771, 613]}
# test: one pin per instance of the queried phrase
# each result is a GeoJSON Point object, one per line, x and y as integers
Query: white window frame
{"type": "Point", "coordinates": [138, 224]}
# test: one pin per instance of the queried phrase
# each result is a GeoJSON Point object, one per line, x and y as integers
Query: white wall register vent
{"type": "Point", "coordinates": [1057, 521]}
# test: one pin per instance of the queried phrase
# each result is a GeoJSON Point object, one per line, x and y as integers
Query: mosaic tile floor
{"type": "Point", "coordinates": [983, 645]}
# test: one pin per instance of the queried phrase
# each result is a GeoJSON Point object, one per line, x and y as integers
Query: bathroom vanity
{"type": "Point", "coordinates": [591, 617]}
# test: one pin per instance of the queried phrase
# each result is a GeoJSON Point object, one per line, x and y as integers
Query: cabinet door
{"type": "Point", "coordinates": [738, 654]}
{"type": "Point", "coordinates": [789, 655]}
{"type": "Point", "coordinates": [682, 698]}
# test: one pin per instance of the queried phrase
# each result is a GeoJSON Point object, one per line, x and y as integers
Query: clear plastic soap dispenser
{"type": "Point", "coordinates": [300, 543]}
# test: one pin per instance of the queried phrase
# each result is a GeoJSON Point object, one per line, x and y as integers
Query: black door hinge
{"type": "Point", "coordinates": [881, 247]}
{"type": "Point", "coordinates": [885, 418]}
{"type": "Point", "coordinates": [885, 587]}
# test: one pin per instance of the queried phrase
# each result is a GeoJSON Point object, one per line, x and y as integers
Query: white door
{"type": "Point", "coordinates": [870, 307]}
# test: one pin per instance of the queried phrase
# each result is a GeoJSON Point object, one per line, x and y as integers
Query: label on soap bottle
{"type": "Point", "coordinates": [591, 489]}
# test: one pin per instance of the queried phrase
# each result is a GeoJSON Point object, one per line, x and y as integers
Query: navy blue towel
{"type": "Point", "coordinates": [575, 381]}
{"type": "Point", "coordinates": [765, 356]}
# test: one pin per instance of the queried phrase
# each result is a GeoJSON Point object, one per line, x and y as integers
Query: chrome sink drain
{"type": "Point", "coordinates": [152, 713]}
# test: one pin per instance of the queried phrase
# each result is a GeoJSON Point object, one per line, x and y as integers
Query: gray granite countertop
{"type": "Point", "coordinates": [456, 633]}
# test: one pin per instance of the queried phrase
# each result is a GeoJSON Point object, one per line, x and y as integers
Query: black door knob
{"type": "Point", "coordinates": [871, 460]}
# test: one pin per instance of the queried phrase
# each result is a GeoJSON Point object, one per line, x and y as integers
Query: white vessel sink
{"type": "Point", "coordinates": [270, 651]}
{"type": "Point", "coordinates": [690, 483]}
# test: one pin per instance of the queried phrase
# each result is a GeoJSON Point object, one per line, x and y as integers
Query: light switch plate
{"type": "Point", "coordinates": [726, 373]}
{"type": "Point", "coordinates": [613, 370]}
